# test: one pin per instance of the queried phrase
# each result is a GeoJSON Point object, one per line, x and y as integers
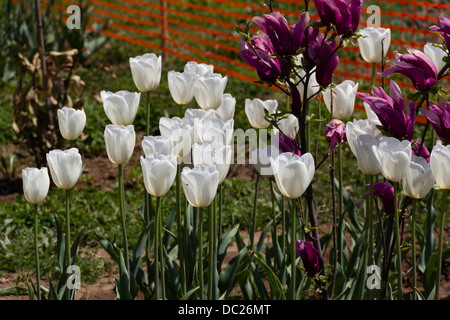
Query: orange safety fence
{"type": "Point", "coordinates": [204, 30]}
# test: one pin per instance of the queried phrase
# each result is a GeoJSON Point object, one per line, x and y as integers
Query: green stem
{"type": "Point", "coordinates": [219, 232]}
{"type": "Point", "coordinates": [211, 250]}
{"type": "Point", "coordinates": [413, 248]}
{"type": "Point", "coordinates": [274, 225]}
{"type": "Point", "coordinates": [161, 247]}
{"type": "Point", "coordinates": [370, 220]}
{"type": "Point", "coordinates": [36, 252]}
{"type": "Point", "coordinates": [123, 218]}
{"type": "Point", "coordinates": [283, 228]}
{"type": "Point", "coordinates": [374, 65]}
{"type": "Point", "coordinates": [398, 244]}
{"type": "Point", "coordinates": [156, 249]}
{"type": "Point", "coordinates": [68, 257]}
{"type": "Point", "coordinates": [440, 249]}
{"type": "Point", "coordinates": [341, 183]}
{"type": "Point", "coordinates": [293, 255]}
{"type": "Point", "coordinates": [182, 254]}
{"type": "Point", "coordinates": [200, 252]}
{"type": "Point", "coordinates": [147, 116]}
{"type": "Point", "coordinates": [255, 207]}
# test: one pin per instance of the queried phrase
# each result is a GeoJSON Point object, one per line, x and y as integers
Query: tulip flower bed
{"type": "Point", "coordinates": [331, 203]}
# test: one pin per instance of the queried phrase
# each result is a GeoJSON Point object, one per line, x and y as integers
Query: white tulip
{"type": "Point", "coordinates": [71, 122]}
{"type": "Point", "coordinates": [120, 107]}
{"type": "Point", "coordinates": [65, 167]}
{"type": "Point", "coordinates": [289, 126]}
{"type": "Point", "coordinates": [159, 172]}
{"type": "Point", "coordinates": [393, 157]}
{"type": "Point", "coordinates": [181, 131]}
{"type": "Point", "coordinates": [227, 108]}
{"type": "Point", "coordinates": [440, 165]}
{"type": "Point", "coordinates": [208, 91]}
{"type": "Point", "coordinates": [358, 127]}
{"type": "Point", "coordinates": [146, 71]}
{"type": "Point", "coordinates": [343, 99]}
{"type": "Point", "coordinates": [365, 156]}
{"type": "Point", "coordinates": [418, 180]}
{"type": "Point", "coordinates": [436, 55]}
{"type": "Point", "coordinates": [36, 183]}
{"type": "Point", "coordinates": [119, 141]}
{"type": "Point", "coordinates": [260, 158]}
{"type": "Point", "coordinates": [200, 69]}
{"type": "Point", "coordinates": [215, 153]}
{"type": "Point", "coordinates": [293, 174]}
{"type": "Point", "coordinates": [200, 184]}
{"type": "Point", "coordinates": [254, 109]}
{"type": "Point", "coordinates": [371, 115]}
{"type": "Point", "coordinates": [214, 129]}
{"type": "Point", "coordinates": [157, 144]}
{"type": "Point", "coordinates": [181, 86]}
{"type": "Point", "coordinates": [373, 43]}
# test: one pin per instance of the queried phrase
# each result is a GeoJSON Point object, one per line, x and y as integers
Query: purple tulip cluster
{"type": "Point", "coordinates": [390, 110]}
{"type": "Point", "coordinates": [344, 15]}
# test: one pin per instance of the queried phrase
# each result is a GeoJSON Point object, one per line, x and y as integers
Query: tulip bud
{"type": "Point", "coordinates": [208, 91]}
{"type": "Point", "coordinates": [374, 43]}
{"type": "Point", "coordinates": [289, 126]}
{"type": "Point", "coordinates": [120, 107]}
{"type": "Point", "coordinates": [71, 122]}
{"type": "Point", "coordinates": [293, 174]}
{"type": "Point", "coordinates": [157, 144]}
{"type": "Point", "coordinates": [119, 141]}
{"type": "Point", "coordinates": [181, 86]}
{"type": "Point", "coordinates": [393, 157]}
{"type": "Point", "coordinates": [146, 72]}
{"type": "Point", "coordinates": [215, 153]}
{"type": "Point", "coordinates": [199, 114]}
{"type": "Point", "coordinates": [200, 184]}
{"type": "Point", "coordinates": [226, 110]}
{"type": "Point", "coordinates": [335, 134]}
{"type": "Point", "coordinates": [200, 69]}
{"type": "Point", "coordinates": [65, 167]}
{"type": "Point", "coordinates": [418, 179]}
{"type": "Point", "coordinates": [181, 131]}
{"type": "Point", "coordinates": [309, 256]}
{"type": "Point", "coordinates": [36, 183]}
{"type": "Point", "coordinates": [385, 191]}
{"type": "Point", "coordinates": [159, 172]}
{"type": "Point", "coordinates": [440, 165]}
{"type": "Point", "coordinates": [343, 99]}
{"type": "Point", "coordinates": [214, 129]}
{"type": "Point", "coordinates": [255, 111]}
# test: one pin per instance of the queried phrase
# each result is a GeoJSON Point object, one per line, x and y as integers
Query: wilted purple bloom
{"type": "Point", "coordinates": [390, 110]}
{"type": "Point", "coordinates": [385, 191]}
{"type": "Point", "coordinates": [335, 134]}
{"type": "Point", "coordinates": [343, 14]}
{"type": "Point", "coordinates": [309, 256]}
{"type": "Point", "coordinates": [286, 144]}
{"type": "Point", "coordinates": [439, 118]}
{"type": "Point", "coordinates": [444, 30]}
{"type": "Point", "coordinates": [420, 150]}
{"type": "Point", "coordinates": [322, 54]}
{"type": "Point", "coordinates": [286, 39]}
{"type": "Point", "coordinates": [417, 66]}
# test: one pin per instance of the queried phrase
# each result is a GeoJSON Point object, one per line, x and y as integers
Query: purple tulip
{"type": "Point", "coordinates": [390, 110]}
{"type": "Point", "coordinates": [286, 144]}
{"type": "Point", "coordinates": [444, 30]}
{"type": "Point", "coordinates": [322, 54]}
{"type": "Point", "coordinates": [335, 134]}
{"type": "Point", "coordinates": [343, 14]}
{"type": "Point", "coordinates": [417, 66]}
{"type": "Point", "coordinates": [439, 118]}
{"type": "Point", "coordinates": [420, 150]}
{"type": "Point", "coordinates": [385, 191]}
{"type": "Point", "coordinates": [286, 39]}
{"type": "Point", "coordinates": [309, 256]}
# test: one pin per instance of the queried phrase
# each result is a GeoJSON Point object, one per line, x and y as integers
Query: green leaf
{"type": "Point", "coordinates": [139, 250]}
{"type": "Point", "coordinates": [276, 289]}
{"type": "Point", "coordinates": [227, 276]}
{"type": "Point", "coordinates": [224, 242]}
{"type": "Point", "coordinates": [124, 279]}
{"type": "Point", "coordinates": [190, 294]}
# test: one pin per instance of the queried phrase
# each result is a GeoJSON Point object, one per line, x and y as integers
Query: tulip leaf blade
{"type": "Point", "coordinates": [224, 242]}
{"type": "Point", "coordinates": [276, 287]}
{"type": "Point", "coordinates": [227, 278]}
